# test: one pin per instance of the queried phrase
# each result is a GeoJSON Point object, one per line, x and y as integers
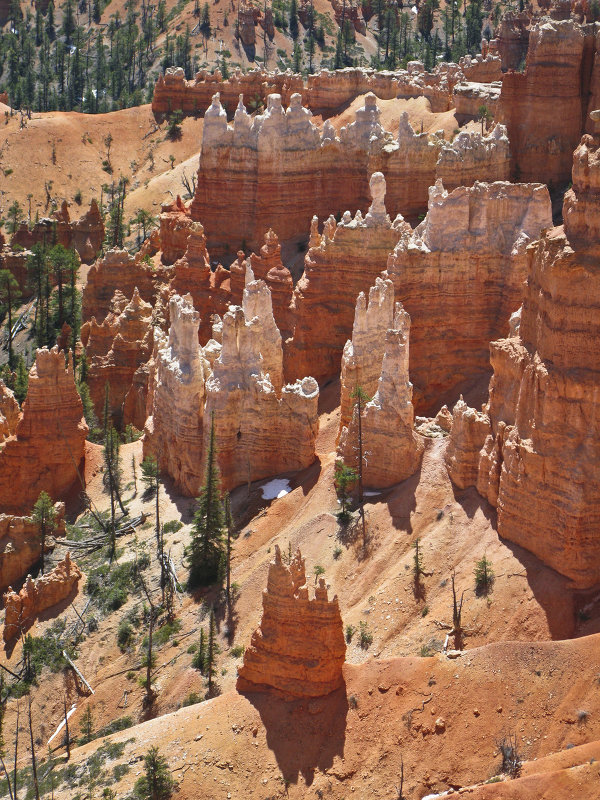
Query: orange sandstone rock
{"type": "Point", "coordinates": [299, 648]}
{"type": "Point", "coordinates": [20, 544]}
{"type": "Point", "coordinates": [38, 595]}
{"type": "Point", "coordinates": [47, 447]}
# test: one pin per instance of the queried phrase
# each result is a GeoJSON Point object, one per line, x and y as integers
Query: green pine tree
{"type": "Point", "coordinates": [44, 515]}
{"type": "Point", "coordinates": [206, 550]}
{"type": "Point", "coordinates": [156, 783]}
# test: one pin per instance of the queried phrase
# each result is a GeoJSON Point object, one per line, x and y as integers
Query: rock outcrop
{"type": "Point", "coordinates": [173, 431]}
{"type": "Point", "coordinates": [562, 72]}
{"type": "Point", "coordinates": [469, 431]}
{"type": "Point", "coordinates": [391, 448]}
{"type": "Point", "coordinates": [363, 353]}
{"type": "Point", "coordinates": [115, 350]}
{"type": "Point", "coordinates": [261, 430]}
{"type": "Point", "coordinates": [38, 595]}
{"type": "Point", "coordinates": [299, 648]}
{"type": "Point", "coordinates": [260, 157]}
{"type": "Point", "coordinates": [47, 447]}
{"type": "Point", "coordinates": [9, 412]}
{"type": "Point", "coordinates": [471, 155]}
{"type": "Point", "coordinates": [20, 544]}
{"type": "Point", "coordinates": [85, 235]}
{"type": "Point", "coordinates": [119, 269]}
{"type": "Point", "coordinates": [341, 262]}
{"type": "Point", "coordinates": [539, 465]}
{"type": "Point", "coordinates": [459, 275]}
{"type": "Point", "coordinates": [208, 288]}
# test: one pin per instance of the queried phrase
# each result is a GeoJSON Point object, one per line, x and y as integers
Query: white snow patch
{"type": "Point", "coordinates": [62, 724]}
{"type": "Point", "coordinates": [372, 493]}
{"type": "Point", "coordinates": [433, 796]}
{"type": "Point", "coordinates": [275, 489]}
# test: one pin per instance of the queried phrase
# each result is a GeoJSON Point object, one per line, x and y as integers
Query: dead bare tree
{"type": "Point", "coordinates": [189, 184]}
{"type": "Point", "coordinates": [36, 786]}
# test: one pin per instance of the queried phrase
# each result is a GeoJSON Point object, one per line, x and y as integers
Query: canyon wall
{"type": "Point", "coordinates": [48, 445]}
{"type": "Point", "coordinates": [259, 158]}
{"type": "Point", "coordinates": [563, 73]}
{"type": "Point", "coordinates": [459, 275]}
{"type": "Point", "coordinates": [299, 648]}
{"type": "Point", "coordinates": [539, 462]}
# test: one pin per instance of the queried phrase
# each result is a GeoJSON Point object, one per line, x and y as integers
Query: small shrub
{"type": "Point", "coordinates": [365, 636]}
{"type": "Point", "coordinates": [237, 652]}
{"type": "Point", "coordinates": [124, 635]}
{"type": "Point", "coordinates": [425, 651]}
{"type": "Point", "coordinates": [484, 577]}
{"type": "Point", "coordinates": [425, 611]}
{"type": "Point", "coordinates": [353, 701]}
{"type": "Point", "coordinates": [192, 699]}
{"type": "Point", "coordinates": [77, 197]}
{"type": "Point", "coordinates": [337, 552]}
{"type": "Point", "coordinates": [174, 127]}
{"type": "Point", "coordinates": [350, 631]}
{"type": "Point", "coordinates": [319, 570]}
{"type": "Point", "coordinates": [582, 716]}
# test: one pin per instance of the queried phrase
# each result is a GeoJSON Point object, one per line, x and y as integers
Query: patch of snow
{"type": "Point", "coordinates": [62, 724]}
{"type": "Point", "coordinates": [433, 796]}
{"type": "Point", "coordinates": [275, 489]}
{"type": "Point", "coordinates": [372, 492]}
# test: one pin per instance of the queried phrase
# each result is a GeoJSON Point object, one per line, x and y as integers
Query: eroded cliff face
{"type": "Point", "coordinates": [363, 354]}
{"type": "Point", "coordinates": [299, 648]}
{"type": "Point", "coordinates": [260, 428]}
{"type": "Point", "coordinates": [84, 235]}
{"type": "Point", "coordinates": [173, 430]}
{"type": "Point", "coordinates": [48, 445]}
{"type": "Point", "coordinates": [392, 450]}
{"type": "Point", "coordinates": [119, 269]}
{"type": "Point", "coordinates": [37, 595]}
{"type": "Point", "coordinates": [539, 463]}
{"type": "Point", "coordinates": [115, 350]}
{"type": "Point", "coordinates": [20, 544]}
{"type": "Point", "coordinates": [260, 157]}
{"type": "Point", "coordinates": [210, 290]}
{"type": "Point", "coordinates": [9, 412]}
{"type": "Point", "coordinates": [459, 275]}
{"type": "Point", "coordinates": [342, 262]}
{"type": "Point", "coordinates": [562, 72]}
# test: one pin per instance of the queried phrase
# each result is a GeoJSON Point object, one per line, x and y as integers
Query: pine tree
{"type": "Point", "coordinates": [87, 725]}
{"type": "Point", "coordinates": [484, 576]}
{"type": "Point", "coordinates": [212, 650]}
{"type": "Point", "coordinates": [345, 477]}
{"type": "Point", "coordinates": [68, 21]}
{"type": "Point", "coordinates": [156, 783]}
{"type": "Point", "coordinates": [44, 515]}
{"type": "Point", "coordinates": [205, 553]}
{"type": "Point", "coordinates": [9, 292]}
{"type": "Point", "coordinates": [199, 659]}
{"type": "Point", "coordinates": [294, 27]}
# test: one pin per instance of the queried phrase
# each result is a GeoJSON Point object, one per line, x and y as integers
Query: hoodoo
{"type": "Point", "coordinates": [299, 648]}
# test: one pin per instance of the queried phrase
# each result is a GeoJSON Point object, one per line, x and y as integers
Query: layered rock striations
{"type": "Point", "coordinates": [459, 275]}
{"type": "Point", "coordinates": [20, 544]}
{"type": "Point", "coordinates": [471, 155]}
{"type": "Point", "coordinates": [119, 269]}
{"type": "Point", "coordinates": [193, 275]}
{"type": "Point", "coordinates": [36, 596]}
{"type": "Point", "coordinates": [392, 450]}
{"type": "Point", "coordinates": [342, 262]}
{"type": "Point", "coordinates": [173, 430]}
{"type": "Point", "coordinates": [47, 447]}
{"type": "Point", "coordinates": [539, 463]}
{"type": "Point", "coordinates": [115, 351]}
{"type": "Point", "coordinates": [299, 648]}
{"type": "Point", "coordinates": [562, 72]}
{"type": "Point", "coordinates": [261, 157]}
{"type": "Point", "coordinates": [85, 235]}
{"type": "Point", "coordinates": [363, 353]}
{"type": "Point", "coordinates": [261, 429]}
